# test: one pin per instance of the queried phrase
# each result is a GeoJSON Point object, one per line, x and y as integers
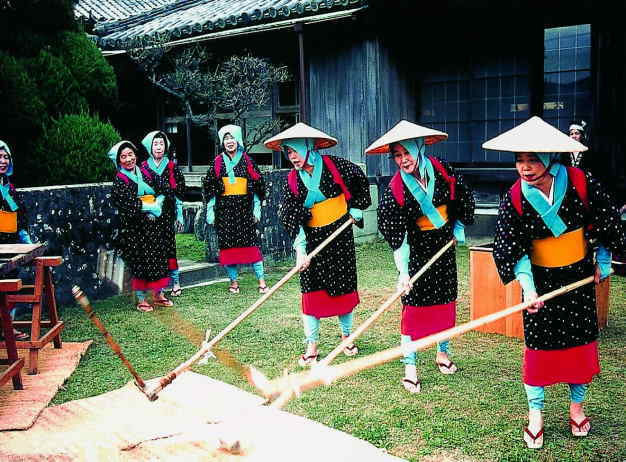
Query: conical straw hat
{"type": "Point", "coordinates": [301, 130]}
{"type": "Point", "coordinates": [534, 135]}
{"type": "Point", "coordinates": [405, 130]}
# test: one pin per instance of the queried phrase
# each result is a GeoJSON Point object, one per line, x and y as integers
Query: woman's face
{"type": "Point", "coordinates": [530, 168]}
{"type": "Point", "coordinates": [158, 148]}
{"type": "Point", "coordinates": [128, 160]}
{"type": "Point", "coordinates": [575, 134]}
{"type": "Point", "coordinates": [295, 158]}
{"type": "Point", "coordinates": [403, 159]}
{"type": "Point", "coordinates": [5, 161]}
{"type": "Point", "coordinates": [230, 143]}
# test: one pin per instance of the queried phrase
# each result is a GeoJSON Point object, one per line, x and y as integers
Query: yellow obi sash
{"type": "Point", "coordinates": [238, 188]}
{"type": "Point", "coordinates": [148, 199]}
{"type": "Point", "coordinates": [8, 222]}
{"type": "Point", "coordinates": [552, 252]}
{"type": "Point", "coordinates": [328, 211]}
{"type": "Point", "coordinates": [426, 225]}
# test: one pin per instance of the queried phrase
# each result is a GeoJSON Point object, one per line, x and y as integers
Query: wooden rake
{"type": "Point", "coordinates": [284, 388]}
{"type": "Point", "coordinates": [207, 346]}
{"type": "Point", "coordinates": [385, 306]}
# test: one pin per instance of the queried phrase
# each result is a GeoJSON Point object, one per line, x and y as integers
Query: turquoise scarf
{"type": "Point", "coordinates": [424, 198]}
{"type": "Point", "coordinates": [6, 195]}
{"type": "Point", "coordinates": [312, 182]}
{"type": "Point", "coordinates": [142, 187]}
{"type": "Point", "coordinates": [161, 167]}
{"type": "Point", "coordinates": [230, 164]}
{"type": "Point", "coordinates": [549, 213]}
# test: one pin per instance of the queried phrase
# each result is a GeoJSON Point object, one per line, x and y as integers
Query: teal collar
{"type": "Point", "coordinates": [6, 195]}
{"type": "Point", "coordinates": [549, 212]}
{"type": "Point", "coordinates": [161, 167]}
{"type": "Point", "coordinates": [230, 164]}
{"type": "Point", "coordinates": [424, 198]}
{"type": "Point", "coordinates": [312, 182]}
{"type": "Point", "coordinates": [142, 187]}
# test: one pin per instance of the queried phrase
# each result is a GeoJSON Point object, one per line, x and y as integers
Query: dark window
{"type": "Point", "coordinates": [567, 75]}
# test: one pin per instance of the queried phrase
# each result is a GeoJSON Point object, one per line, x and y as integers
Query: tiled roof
{"type": "Point", "coordinates": [186, 18]}
{"type": "Point", "coordinates": [111, 10]}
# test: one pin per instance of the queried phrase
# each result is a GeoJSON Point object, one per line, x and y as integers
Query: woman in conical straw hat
{"type": "Point", "coordinates": [172, 182]}
{"type": "Point", "coordinates": [321, 193]}
{"type": "Point", "coordinates": [545, 224]}
{"type": "Point", "coordinates": [234, 190]}
{"type": "Point", "coordinates": [424, 207]}
{"type": "Point", "coordinates": [139, 202]}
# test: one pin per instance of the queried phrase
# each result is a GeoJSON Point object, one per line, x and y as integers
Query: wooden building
{"type": "Point", "coordinates": [472, 69]}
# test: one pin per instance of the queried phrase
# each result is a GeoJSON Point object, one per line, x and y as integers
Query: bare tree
{"type": "Point", "coordinates": [236, 86]}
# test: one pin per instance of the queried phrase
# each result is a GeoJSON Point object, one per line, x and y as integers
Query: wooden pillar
{"type": "Point", "coordinates": [304, 103]}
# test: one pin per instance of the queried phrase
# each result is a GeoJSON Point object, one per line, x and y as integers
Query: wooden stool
{"type": "Point", "coordinates": [43, 288]}
{"type": "Point", "coordinates": [14, 362]}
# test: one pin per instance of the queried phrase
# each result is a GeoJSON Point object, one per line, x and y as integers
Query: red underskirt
{"type": "Point", "coordinates": [240, 256]}
{"type": "Point", "coordinates": [172, 264]}
{"type": "Point", "coordinates": [140, 284]}
{"type": "Point", "coordinates": [321, 305]}
{"type": "Point", "coordinates": [571, 365]}
{"type": "Point", "coordinates": [422, 321]}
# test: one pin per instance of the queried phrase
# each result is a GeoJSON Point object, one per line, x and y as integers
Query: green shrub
{"type": "Point", "coordinates": [56, 85]}
{"type": "Point", "coordinates": [74, 150]}
{"type": "Point", "coordinates": [95, 77]}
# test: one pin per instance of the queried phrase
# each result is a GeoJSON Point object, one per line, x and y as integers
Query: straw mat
{"type": "Point", "coordinates": [196, 418]}
{"type": "Point", "coordinates": [20, 408]}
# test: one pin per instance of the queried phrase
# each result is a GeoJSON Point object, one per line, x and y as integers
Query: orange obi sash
{"type": "Point", "coordinates": [8, 222]}
{"type": "Point", "coordinates": [147, 199]}
{"type": "Point", "coordinates": [425, 224]}
{"type": "Point", "coordinates": [552, 252]}
{"type": "Point", "coordinates": [328, 211]}
{"type": "Point", "coordinates": [238, 188]}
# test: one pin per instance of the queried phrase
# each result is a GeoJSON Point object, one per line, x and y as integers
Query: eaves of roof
{"type": "Point", "coordinates": [115, 10]}
{"type": "Point", "coordinates": [189, 18]}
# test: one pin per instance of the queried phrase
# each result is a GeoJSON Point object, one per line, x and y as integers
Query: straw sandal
{"type": "Point", "coordinates": [351, 350]}
{"type": "Point", "coordinates": [263, 289]}
{"type": "Point", "coordinates": [307, 361]}
{"type": "Point", "coordinates": [411, 386]}
{"type": "Point", "coordinates": [447, 368]}
{"type": "Point", "coordinates": [234, 287]}
{"type": "Point", "coordinates": [533, 441]}
{"type": "Point", "coordinates": [176, 292]}
{"type": "Point", "coordinates": [577, 427]}
{"type": "Point", "coordinates": [163, 302]}
{"type": "Point", "coordinates": [144, 307]}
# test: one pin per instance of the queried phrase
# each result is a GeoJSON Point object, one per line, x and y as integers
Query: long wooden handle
{"type": "Point", "coordinates": [385, 306]}
{"type": "Point", "coordinates": [83, 301]}
{"type": "Point", "coordinates": [286, 387]}
{"type": "Point", "coordinates": [206, 347]}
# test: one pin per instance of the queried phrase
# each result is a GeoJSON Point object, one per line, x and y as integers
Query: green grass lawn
{"type": "Point", "coordinates": [189, 248]}
{"type": "Point", "coordinates": [475, 415]}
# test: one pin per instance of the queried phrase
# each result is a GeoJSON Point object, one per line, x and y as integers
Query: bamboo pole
{"type": "Point", "coordinates": [285, 388]}
{"type": "Point", "coordinates": [207, 346]}
{"type": "Point", "coordinates": [390, 301]}
{"type": "Point", "coordinates": [83, 301]}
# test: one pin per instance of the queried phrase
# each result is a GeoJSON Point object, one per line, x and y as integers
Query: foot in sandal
{"type": "Point", "coordinates": [234, 287]}
{"type": "Point", "coordinates": [309, 358]}
{"type": "Point", "coordinates": [445, 364]}
{"type": "Point", "coordinates": [533, 433]}
{"type": "Point", "coordinates": [162, 300]}
{"type": "Point", "coordinates": [410, 382]}
{"type": "Point", "coordinates": [144, 307]}
{"type": "Point", "coordinates": [350, 350]}
{"type": "Point", "coordinates": [578, 422]}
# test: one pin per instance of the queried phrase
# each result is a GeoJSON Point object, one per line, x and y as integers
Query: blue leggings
{"type": "Point", "coordinates": [312, 326]}
{"type": "Point", "coordinates": [175, 275]}
{"type": "Point", "coordinates": [232, 272]}
{"type": "Point", "coordinates": [410, 359]}
{"type": "Point", "coordinates": [536, 395]}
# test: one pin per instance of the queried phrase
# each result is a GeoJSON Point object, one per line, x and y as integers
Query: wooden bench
{"type": "Point", "coordinates": [14, 362]}
{"type": "Point", "coordinates": [42, 289]}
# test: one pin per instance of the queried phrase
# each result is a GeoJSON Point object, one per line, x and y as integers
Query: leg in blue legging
{"type": "Point", "coordinates": [410, 381]}
{"type": "Point", "coordinates": [576, 413]}
{"type": "Point", "coordinates": [345, 322]}
{"type": "Point", "coordinates": [175, 276]}
{"type": "Point", "coordinates": [260, 275]}
{"type": "Point", "coordinates": [141, 295]}
{"type": "Point", "coordinates": [312, 334]}
{"type": "Point", "coordinates": [536, 398]}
